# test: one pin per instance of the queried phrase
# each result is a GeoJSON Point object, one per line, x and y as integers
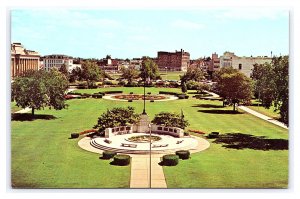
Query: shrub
{"type": "Point", "coordinates": [121, 160]}
{"type": "Point", "coordinates": [183, 154]}
{"type": "Point", "coordinates": [108, 155]}
{"type": "Point", "coordinates": [74, 135]}
{"type": "Point", "coordinates": [213, 135]}
{"type": "Point", "coordinates": [170, 160]}
{"type": "Point", "coordinates": [168, 93]}
{"type": "Point", "coordinates": [96, 95]}
{"type": "Point", "coordinates": [186, 133]}
{"type": "Point", "coordinates": [149, 93]}
{"type": "Point", "coordinates": [111, 92]}
{"type": "Point", "coordinates": [107, 82]}
{"type": "Point", "coordinates": [131, 93]}
{"type": "Point", "coordinates": [121, 83]}
{"type": "Point", "coordinates": [181, 96]}
{"type": "Point", "coordinates": [186, 97]}
{"type": "Point", "coordinates": [130, 100]}
{"type": "Point", "coordinates": [86, 95]}
{"type": "Point", "coordinates": [151, 100]}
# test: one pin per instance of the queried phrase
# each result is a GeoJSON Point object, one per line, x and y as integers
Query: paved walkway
{"type": "Point", "coordinates": [25, 110]}
{"type": "Point", "coordinates": [264, 117]}
{"type": "Point", "coordinates": [146, 173]}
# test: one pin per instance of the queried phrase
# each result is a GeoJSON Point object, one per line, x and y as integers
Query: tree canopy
{"type": "Point", "coordinates": [272, 85]}
{"type": "Point", "coordinates": [118, 116]}
{"type": "Point", "coordinates": [39, 89]}
{"type": "Point", "coordinates": [129, 74]}
{"type": "Point", "coordinates": [170, 119]}
{"type": "Point", "coordinates": [193, 73]}
{"type": "Point", "coordinates": [149, 69]}
{"type": "Point", "coordinates": [91, 73]}
{"type": "Point", "coordinates": [235, 87]}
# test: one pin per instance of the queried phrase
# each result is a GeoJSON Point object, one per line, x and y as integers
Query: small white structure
{"type": "Point", "coordinates": [142, 126]}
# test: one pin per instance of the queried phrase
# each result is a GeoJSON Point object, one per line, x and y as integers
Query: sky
{"type": "Point", "coordinates": [136, 33]}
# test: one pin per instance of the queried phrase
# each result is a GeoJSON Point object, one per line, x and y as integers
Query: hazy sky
{"type": "Point", "coordinates": [135, 33]}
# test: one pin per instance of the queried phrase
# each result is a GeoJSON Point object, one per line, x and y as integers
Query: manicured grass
{"type": "Point", "coordinates": [43, 156]}
{"type": "Point", "coordinates": [14, 107]}
{"type": "Point", "coordinates": [127, 90]}
{"type": "Point", "coordinates": [170, 75]}
{"type": "Point", "coordinates": [268, 112]}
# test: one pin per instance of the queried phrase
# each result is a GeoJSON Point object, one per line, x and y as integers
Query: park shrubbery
{"type": "Point", "coordinates": [213, 135]}
{"type": "Point", "coordinates": [74, 135]}
{"type": "Point", "coordinates": [183, 154]}
{"type": "Point", "coordinates": [96, 95]}
{"type": "Point", "coordinates": [121, 160]}
{"type": "Point", "coordinates": [108, 155]}
{"type": "Point", "coordinates": [170, 160]}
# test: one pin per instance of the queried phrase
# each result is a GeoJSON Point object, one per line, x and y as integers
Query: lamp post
{"type": "Point", "coordinates": [150, 152]}
{"type": "Point", "coordinates": [144, 110]}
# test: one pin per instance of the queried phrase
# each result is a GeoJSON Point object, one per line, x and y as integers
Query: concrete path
{"type": "Point", "coordinates": [262, 116]}
{"type": "Point", "coordinates": [146, 173]}
{"type": "Point", "coordinates": [25, 110]}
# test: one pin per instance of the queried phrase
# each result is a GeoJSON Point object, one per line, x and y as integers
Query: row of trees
{"type": "Point", "coordinates": [125, 116]}
{"type": "Point", "coordinates": [271, 85]}
{"type": "Point", "coordinates": [149, 70]}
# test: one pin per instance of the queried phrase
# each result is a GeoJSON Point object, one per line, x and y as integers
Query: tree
{"type": "Point", "coordinates": [117, 117]}
{"type": "Point", "coordinates": [91, 73]}
{"type": "Point", "coordinates": [281, 89]}
{"type": "Point", "coordinates": [170, 119]}
{"type": "Point", "coordinates": [201, 87]}
{"type": "Point", "coordinates": [263, 74]}
{"type": "Point", "coordinates": [76, 75]}
{"type": "Point", "coordinates": [228, 70]}
{"type": "Point", "coordinates": [129, 74]}
{"type": "Point", "coordinates": [235, 88]}
{"type": "Point", "coordinates": [39, 89]}
{"type": "Point", "coordinates": [183, 87]}
{"type": "Point", "coordinates": [271, 85]}
{"type": "Point", "coordinates": [193, 73]}
{"type": "Point", "coordinates": [149, 69]}
{"type": "Point", "coordinates": [63, 69]}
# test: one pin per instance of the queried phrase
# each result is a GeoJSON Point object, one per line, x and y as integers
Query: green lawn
{"type": "Point", "coordinates": [43, 156]}
{"type": "Point", "coordinates": [14, 107]}
{"type": "Point", "coordinates": [171, 75]}
{"type": "Point", "coordinates": [266, 111]}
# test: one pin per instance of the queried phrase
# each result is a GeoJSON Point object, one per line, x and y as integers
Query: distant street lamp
{"type": "Point", "coordinates": [166, 72]}
{"type": "Point", "coordinates": [150, 151]}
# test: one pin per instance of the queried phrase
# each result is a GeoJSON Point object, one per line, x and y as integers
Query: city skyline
{"type": "Point", "coordinates": [136, 33]}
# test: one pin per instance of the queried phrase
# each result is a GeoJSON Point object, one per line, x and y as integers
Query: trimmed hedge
{"type": "Point", "coordinates": [121, 160]}
{"type": "Point", "coordinates": [74, 135]}
{"type": "Point", "coordinates": [213, 135]}
{"type": "Point", "coordinates": [183, 154]}
{"type": "Point", "coordinates": [168, 93]}
{"type": "Point", "coordinates": [108, 155]}
{"type": "Point", "coordinates": [170, 160]}
{"type": "Point", "coordinates": [111, 92]}
{"type": "Point", "coordinates": [130, 100]}
{"type": "Point", "coordinates": [96, 95]}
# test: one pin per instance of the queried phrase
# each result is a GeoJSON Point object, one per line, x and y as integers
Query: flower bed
{"type": "Point", "coordinates": [196, 131]}
{"type": "Point", "coordinates": [144, 138]}
{"type": "Point", "coordinates": [139, 97]}
{"type": "Point", "coordinates": [88, 131]}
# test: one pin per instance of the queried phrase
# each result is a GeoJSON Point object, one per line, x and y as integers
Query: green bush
{"type": "Point", "coordinates": [182, 96]}
{"type": "Point", "coordinates": [96, 95]}
{"type": "Point", "coordinates": [108, 154]}
{"type": "Point", "coordinates": [74, 135]}
{"type": "Point", "coordinates": [86, 95]}
{"type": "Point", "coordinates": [111, 92]}
{"type": "Point", "coordinates": [183, 154]}
{"type": "Point", "coordinates": [213, 135]}
{"type": "Point", "coordinates": [121, 160]}
{"type": "Point", "coordinates": [170, 160]}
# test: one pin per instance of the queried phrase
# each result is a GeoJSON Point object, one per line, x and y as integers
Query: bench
{"type": "Point", "coordinates": [129, 145]}
{"type": "Point", "coordinates": [179, 142]}
{"type": "Point", "coordinates": [162, 145]}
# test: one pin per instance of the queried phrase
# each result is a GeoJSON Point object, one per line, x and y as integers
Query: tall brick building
{"type": "Point", "coordinates": [23, 60]}
{"type": "Point", "coordinates": [173, 61]}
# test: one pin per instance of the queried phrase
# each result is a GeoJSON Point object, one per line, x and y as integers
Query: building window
{"type": "Point", "coordinates": [240, 66]}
